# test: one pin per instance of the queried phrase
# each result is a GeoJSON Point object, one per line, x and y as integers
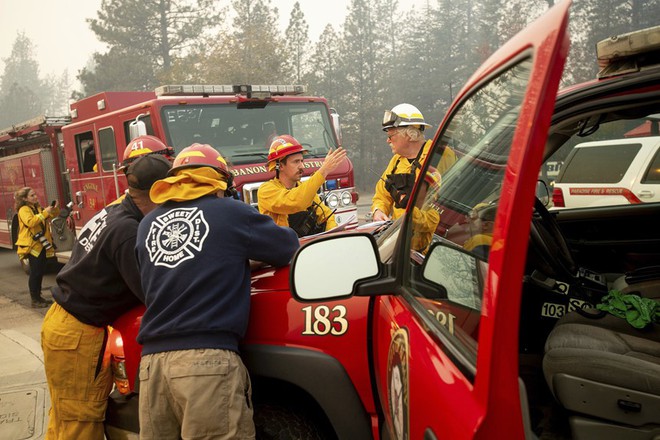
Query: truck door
{"type": "Point", "coordinates": [83, 167]}
{"type": "Point", "coordinates": [445, 348]}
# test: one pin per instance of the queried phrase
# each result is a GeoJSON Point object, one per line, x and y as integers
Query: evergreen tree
{"type": "Point", "coordinates": [325, 78]}
{"type": "Point", "coordinates": [21, 90]}
{"type": "Point", "coordinates": [252, 52]}
{"type": "Point", "coordinates": [297, 42]}
{"type": "Point", "coordinates": [362, 64]}
{"type": "Point", "coordinates": [145, 38]}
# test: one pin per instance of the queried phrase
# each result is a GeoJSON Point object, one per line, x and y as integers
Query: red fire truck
{"type": "Point", "coordinates": [79, 156]}
{"type": "Point", "coordinates": [478, 335]}
{"type": "Point", "coordinates": [30, 155]}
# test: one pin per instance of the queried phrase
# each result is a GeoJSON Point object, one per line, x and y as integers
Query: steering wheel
{"type": "Point", "coordinates": [550, 244]}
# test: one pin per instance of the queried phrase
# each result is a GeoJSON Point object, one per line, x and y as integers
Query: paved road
{"type": "Point", "coordinates": [24, 398]}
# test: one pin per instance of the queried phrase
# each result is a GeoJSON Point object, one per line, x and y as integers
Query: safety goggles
{"type": "Point", "coordinates": [391, 119]}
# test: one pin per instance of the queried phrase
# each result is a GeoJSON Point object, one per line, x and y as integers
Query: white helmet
{"type": "Point", "coordinates": [402, 115]}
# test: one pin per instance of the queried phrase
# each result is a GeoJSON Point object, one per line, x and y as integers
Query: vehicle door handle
{"type": "Point", "coordinates": [646, 193]}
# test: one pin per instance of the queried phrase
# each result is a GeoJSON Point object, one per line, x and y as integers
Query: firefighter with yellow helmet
{"type": "Point", "coordinates": [194, 252]}
{"type": "Point", "coordinates": [289, 201]}
{"type": "Point", "coordinates": [480, 226]}
{"type": "Point", "coordinates": [404, 125]}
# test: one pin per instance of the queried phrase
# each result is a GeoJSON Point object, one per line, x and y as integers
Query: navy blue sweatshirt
{"type": "Point", "coordinates": [194, 263]}
{"type": "Point", "coordinates": [101, 281]}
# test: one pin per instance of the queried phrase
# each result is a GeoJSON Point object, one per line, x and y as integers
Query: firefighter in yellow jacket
{"type": "Point", "coordinates": [404, 125]}
{"type": "Point", "coordinates": [289, 201]}
{"type": "Point", "coordinates": [34, 241]}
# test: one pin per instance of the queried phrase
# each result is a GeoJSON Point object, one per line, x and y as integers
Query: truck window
{"type": "Point", "coordinates": [108, 148]}
{"type": "Point", "coordinates": [243, 133]}
{"type": "Point", "coordinates": [451, 228]}
{"type": "Point", "coordinates": [652, 175]}
{"type": "Point", "coordinates": [86, 152]}
{"type": "Point", "coordinates": [612, 163]}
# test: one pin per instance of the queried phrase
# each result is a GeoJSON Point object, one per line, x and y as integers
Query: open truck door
{"type": "Point", "coordinates": [445, 314]}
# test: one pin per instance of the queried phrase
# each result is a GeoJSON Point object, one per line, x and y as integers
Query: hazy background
{"type": "Point", "coordinates": [364, 56]}
{"type": "Point", "coordinates": [63, 39]}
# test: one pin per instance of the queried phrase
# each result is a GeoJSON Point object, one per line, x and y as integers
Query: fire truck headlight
{"type": "Point", "coordinates": [346, 198]}
{"type": "Point", "coordinates": [332, 201]}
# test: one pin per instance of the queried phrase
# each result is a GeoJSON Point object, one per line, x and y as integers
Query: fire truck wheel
{"type": "Point", "coordinates": [274, 422]}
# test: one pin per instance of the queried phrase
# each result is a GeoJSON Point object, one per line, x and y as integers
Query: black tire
{"type": "Point", "coordinates": [274, 422]}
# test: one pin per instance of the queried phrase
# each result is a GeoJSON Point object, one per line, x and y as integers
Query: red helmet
{"type": "Point", "coordinates": [281, 147]}
{"type": "Point", "coordinates": [200, 155]}
{"type": "Point", "coordinates": [143, 145]}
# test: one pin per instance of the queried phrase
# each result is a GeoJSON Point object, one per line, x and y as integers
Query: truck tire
{"type": "Point", "coordinates": [275, 422]}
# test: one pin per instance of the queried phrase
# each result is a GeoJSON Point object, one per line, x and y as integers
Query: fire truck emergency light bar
{"type": "Point", "coordinates": [252, 91]}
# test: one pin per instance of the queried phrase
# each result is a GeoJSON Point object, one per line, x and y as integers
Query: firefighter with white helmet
{"type": "Point", "coordinates": [289, 201]}
{"type": "Point", "coordinates": [194, 252]}
{"type": "Point", "coordinates": [405, 126]}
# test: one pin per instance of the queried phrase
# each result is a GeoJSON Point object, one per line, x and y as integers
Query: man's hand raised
{"type": "Point", "coordinates": [332, 161]}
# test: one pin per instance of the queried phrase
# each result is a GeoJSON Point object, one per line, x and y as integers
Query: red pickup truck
{"type": "Point", "coordinates": [482, 334]}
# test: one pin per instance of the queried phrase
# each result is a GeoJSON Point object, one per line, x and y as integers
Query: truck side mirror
{"type": "Point", "coordinates": [336, 124]}
{"type": "Point", "coordinates": [137, 127]}
{"type": "Point", "coordinates": [543, 192]}
{"type": "Point", "coordinates": [354, 258]}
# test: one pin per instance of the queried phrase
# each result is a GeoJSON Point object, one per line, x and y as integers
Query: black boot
{"type": "Point", "coordinates": [38, 302]}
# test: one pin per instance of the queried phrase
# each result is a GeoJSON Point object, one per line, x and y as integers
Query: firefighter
{"type": "Point", "coordinates": [194, 252]}
{"type": "Point", "coordinates": [480, 227]}
{"type": "Point", "coordinates": [404, 125]}
{"type": "Point", "coordinates": [289, 201]}
{"type": "Point", "coordinates": [99, 283]}
{"type": "Point", "coordinates": [142, 146]}
{"type": "Point", "coordinates": [34, 240]}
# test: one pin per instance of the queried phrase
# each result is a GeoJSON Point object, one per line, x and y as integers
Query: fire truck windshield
{"type": "Point", "coordinates": [243, 135]}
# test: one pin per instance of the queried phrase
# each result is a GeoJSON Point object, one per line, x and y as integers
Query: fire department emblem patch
{"type": "Point", "coordinates": [397, 383]}
{"type": "Point", "coordinates": [176, 236]}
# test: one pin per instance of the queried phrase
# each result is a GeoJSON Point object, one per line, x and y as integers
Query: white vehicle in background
{"type": "Point", "coordinates": [612, 172]}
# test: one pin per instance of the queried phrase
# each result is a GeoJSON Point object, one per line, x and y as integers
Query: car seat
{"type": "Point", "coordinates": [606, 374]}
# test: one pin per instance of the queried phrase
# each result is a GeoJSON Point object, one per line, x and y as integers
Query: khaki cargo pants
{"type": "Point", "coordinates": [195, 394]}
{"type": "Point", "coordinates": [78, 380]}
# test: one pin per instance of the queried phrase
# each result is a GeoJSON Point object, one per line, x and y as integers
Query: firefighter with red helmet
{"type": "Point", "coordinates": [194, 252]}
{"type": "Point", "coordinates": [98, 284]}
{"type": "Point", "coordinates": [289, 201]}
{"type": "Point", "coordinates": [404, 125]}
{"type": "Point", "coordinates": [142, 145]}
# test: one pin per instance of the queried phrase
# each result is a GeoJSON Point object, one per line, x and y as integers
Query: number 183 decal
{"type": "Point", "coordinates": [321, 320]}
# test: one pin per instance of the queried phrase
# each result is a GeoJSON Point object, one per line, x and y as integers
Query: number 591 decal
{"type": "Point", "coordinates": [321, 320]}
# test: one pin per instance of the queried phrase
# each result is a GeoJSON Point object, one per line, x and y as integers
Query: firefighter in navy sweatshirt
{"type": "Point", "coordinates": [194, 252]}
{"type": "Point", "coordinates": [99, 283]}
